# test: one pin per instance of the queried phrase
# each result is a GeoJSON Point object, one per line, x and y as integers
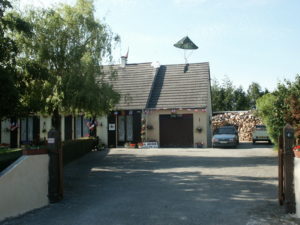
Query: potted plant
{"type": "Point", "coordinates": [199, 145]}
{"type": "Point", "coordinates": [296, 150]}
{"type": "Point", "coordinates": [132, 145]}
{"type": "Point", "coordinates": [34, 150]}
{"type": "Point", "coordinates": [140, 144]}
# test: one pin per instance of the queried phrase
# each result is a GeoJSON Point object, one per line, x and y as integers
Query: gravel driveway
{"type": "Point", "coordinates": [168, 187]}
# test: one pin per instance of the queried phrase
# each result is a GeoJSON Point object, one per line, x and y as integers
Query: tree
{"type": "Point", "coordinates": [65, 56]}
{"type": "Point", "coordinates": [241, 100]}
{"type": "Point", "coordinates": [9, 77]}
{"type": "Point", "coordinates": [226, 97]}
{"type": "Point", "coordinates": [216, 97]}
{"type": "Point", "coordinates": [254, 92]}
{"type": "Point", "coordinates": [222, 95]}
{"type": "Point", "coordinates": [281, 107]}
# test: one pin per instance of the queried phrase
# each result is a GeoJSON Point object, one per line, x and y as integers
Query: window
{"type": "Point", "coordinates": [26, 130]}
{"type": "Point", "coordinates": [125, 128]}
{"type": "Point", "coordinates": [78, 126]}
{"type": "Point", "coordinates": [81, 127]}
{"type": "Point", "coordinates": [129, 129]}
{"type": "Point", "coordinates": [121, 128]}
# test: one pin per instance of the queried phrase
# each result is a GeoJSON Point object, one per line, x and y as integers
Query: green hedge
{"type": "Point", "coordinates": [8, 156]}
{"type": "Point", "coordinates": [72, 150]}
{"type": "Point", "coordinates": [75, 149]}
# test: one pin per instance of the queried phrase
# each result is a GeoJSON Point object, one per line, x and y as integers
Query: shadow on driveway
{"type": "Point", "coordinates": [129, 189]}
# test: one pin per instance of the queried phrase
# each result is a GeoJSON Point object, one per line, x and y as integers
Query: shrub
{"type": "Point", "coordinates": [74, 149]}
{"type": "Point", "coordinates": [281, 107]}
{"type": "Point", "coordinates": [8, 156]}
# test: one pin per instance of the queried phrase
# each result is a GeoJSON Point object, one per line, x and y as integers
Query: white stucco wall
{"type": "Point", "coordinates": [24, 186]}
{"type": "Point", "coordinates": [297, 184]}
{"type": "Point", "coordinates": [45, 122]}
{"type": "Point", "coordinates": [200, 119]}
{"type": "Point", "coordinates": [62, 128]}
{"type": "Point", "coordinates": [102, 129]}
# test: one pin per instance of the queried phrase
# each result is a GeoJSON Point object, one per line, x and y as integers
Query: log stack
{"type": "Point", "coordinates": [245, 121]}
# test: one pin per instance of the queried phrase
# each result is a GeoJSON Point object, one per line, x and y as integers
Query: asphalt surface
{"type": "Point", "coordinates": [168, 187]}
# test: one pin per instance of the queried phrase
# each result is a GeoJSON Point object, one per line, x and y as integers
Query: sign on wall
{"type": "Point", "coordinates": [111, 127]}
{"type": "Point", "coordinates": [150, 145]}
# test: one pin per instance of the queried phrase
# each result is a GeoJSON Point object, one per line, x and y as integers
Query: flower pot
{"type": "Point", "coordinates": [35, 151]}
{"type": "Point", "coordinates": [296, 151]}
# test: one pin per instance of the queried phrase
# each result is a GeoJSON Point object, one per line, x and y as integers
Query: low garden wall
{"type": "Point", "coordinates": [297, 185]}
{"type": "Point", "coordinates": [24, 185]}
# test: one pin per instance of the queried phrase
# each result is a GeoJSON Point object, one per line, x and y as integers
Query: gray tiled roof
{"type": "Point", "coordinates": [134, 83]}
{"type": "Point", "coordinates": [175, 88]}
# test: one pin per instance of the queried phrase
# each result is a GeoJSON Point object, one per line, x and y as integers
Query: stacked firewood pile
{"type": "Point", "coordinates": [245, 122]}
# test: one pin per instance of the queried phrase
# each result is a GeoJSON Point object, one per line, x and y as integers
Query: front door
{"type": "Point", "coordinates": [68, 128]}
{"type": "Point", "coordinates": [13, 133]}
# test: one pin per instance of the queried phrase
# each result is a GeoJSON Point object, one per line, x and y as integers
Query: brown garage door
{"type": "Point", "coordinates": [176, 130]}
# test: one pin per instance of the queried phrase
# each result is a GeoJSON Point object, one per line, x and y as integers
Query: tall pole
{"type": "Point", "coordinates": [116, 113]}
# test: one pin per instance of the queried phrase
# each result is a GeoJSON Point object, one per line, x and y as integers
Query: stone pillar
{"type": "Point", "coordinates": [55, 166]}
{"type": "Point", "coordinates": [288, 143]}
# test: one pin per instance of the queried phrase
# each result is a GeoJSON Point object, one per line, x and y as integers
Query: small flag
{"type": "Point", "coordinates": [126, 56]}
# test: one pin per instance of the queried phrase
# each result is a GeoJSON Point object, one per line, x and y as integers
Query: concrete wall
{"type": "Point", "coordinates": [24, 186]}
{"type": "Point", "coordinates": [297, 184]}
{"type": "Point", "coordinates": [200, 120]}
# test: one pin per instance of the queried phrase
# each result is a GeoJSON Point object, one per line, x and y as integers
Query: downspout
{"type": "Point", "coordinates": [210, 110]}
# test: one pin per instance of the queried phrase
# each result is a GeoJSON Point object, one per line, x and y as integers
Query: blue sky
{"type": "Point", "coordinates": [246, 40]}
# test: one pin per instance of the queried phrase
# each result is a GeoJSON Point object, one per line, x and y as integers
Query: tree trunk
{"type": "Point", "coordinates": [56, 120]}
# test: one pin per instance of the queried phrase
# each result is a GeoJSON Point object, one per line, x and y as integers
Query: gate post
{"type": "Point", "coordinates": [55, 187]}
{"type": "Point", "coordinates": [288, 142]}
{"type": "Point", "coordinates": [280, 170]}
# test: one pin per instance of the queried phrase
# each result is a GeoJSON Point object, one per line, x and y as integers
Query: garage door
{"type": "Point", "coordinates": [176, 130]}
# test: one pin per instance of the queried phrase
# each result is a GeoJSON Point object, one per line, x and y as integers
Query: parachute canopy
{"type": "Point", "coordinates": [185, 43]}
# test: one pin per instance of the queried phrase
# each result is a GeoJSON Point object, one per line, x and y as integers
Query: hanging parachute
{"type": "Point", "coordinates": [187, 45]}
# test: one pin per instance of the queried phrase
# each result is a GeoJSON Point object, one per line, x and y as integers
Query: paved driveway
{"type": "Point", "coordinates": [168, 187]}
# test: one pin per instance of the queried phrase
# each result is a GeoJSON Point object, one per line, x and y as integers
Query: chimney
{"type": "Point", "coordinates": [123, 61]}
